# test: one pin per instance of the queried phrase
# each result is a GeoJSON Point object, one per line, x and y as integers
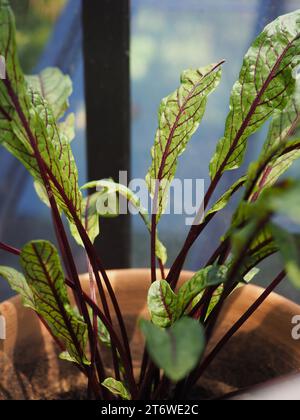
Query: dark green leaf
{"type": "Point", "coordinates": [289, 246]}
{"type": "Point", "coordinates": [176, 350]}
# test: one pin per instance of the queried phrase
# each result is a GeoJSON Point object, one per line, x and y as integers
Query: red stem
{"type": "Point", "coordinates": [96, 264]}
{"type": "Point", "coordinates": [62, 237]}
{"type": "Point", "coordinates": [253, 308]}
{"type": "Point", "coordinates": [9, 249]}
{"type": "Point", "coordinates": [114, 338]}
{"type": "Point", "coordinates": [193, 234]}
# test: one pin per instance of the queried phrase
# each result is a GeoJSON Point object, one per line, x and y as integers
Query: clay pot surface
{"type": "Point", "coordinates": [261, 350]}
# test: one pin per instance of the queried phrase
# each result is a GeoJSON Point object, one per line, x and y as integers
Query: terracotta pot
{"type": "Point", "coordinates": [261, 350]}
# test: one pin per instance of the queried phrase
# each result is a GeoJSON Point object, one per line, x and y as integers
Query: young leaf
{"type": "Point", "coordinates": [45, 278]}
{"type": "Point", "coordinates": [268, 169]}
{"type": "Point", "coordinates": [89, 218]}
{"type": "Point", "coordinates": [213, 302]}
{"type": "Point", "coordinates": [289, 246]}
{"type": "Point", "coordinates": [176, 350]}
{"type": "Point", "coordinates": [53, 86]}
{"type": "Point", "coordinates": [67, 127]}
{"type": "Point", "coordinates": [19, 284]}
{"type": "Point", "coordinates": [162, 304]}
{"type": "Point", "coordinates": [251, 274]}
{"type": "Point", "coordinates": [179, 116]}
{"type": "Point", "coordinates": [116, 388]}
{"type": "Point", "coordinates": [265, 84]}
{"type": "Point", "coordinates": [209, 276]}
{"type": "Point", "coordinates": [122, 190]}
{"type": "Point", "coordinates": [103, 333]}
{"type": "Point", "coordinates": [223, 201]}
{"type": "Point", "coordinates": [41, 193]}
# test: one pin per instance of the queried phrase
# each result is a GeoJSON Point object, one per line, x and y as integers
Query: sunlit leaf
{"type": "Point", "coordinates": [67, 127]}
{"type": "Point", "coordinates": [207, 277]}
{"type": "Point", "coordinates": [179, 117]}
{"type": "Point", "coordinates": [279, 152]}
{"type": "Point", "coordinates": [266, 83]}
{"type": "Point", "coordinates": [284, 123]}
{"type": "Point", "coordinates": [117, 388]}
{"type": "Point", "coordinates": [89, 219]}
{"type": "Point", "coordinates": [27, 121]}
{"type": "Point", "coordinates": [45, 278]}
{"type": "Point", "coordinates": [18, 283]}
{"type": "Point", "coordinates": [53, 86]}
{"type": "Point", "coordinates": [133, 199]}
{"type": "Point", "coordinates": [162, 304]}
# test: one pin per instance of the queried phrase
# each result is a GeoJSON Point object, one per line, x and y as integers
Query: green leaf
{"type": "Point", "coordinates": [45, 278]}
{"type": "Point", "coordinates": [248, 277]}
{"type": "Point", "coordinates": [179, 117]}
{"type": "Point", "coordinates": [8, 49]}
{"type": "Point", "coordinates": [162, 304]}
{"type": "Point", "coordinates": [213, 302]}
{"type": "Point", "coordinates": [282, 199]}
{"type": "Point", "coordinates": [223, 201]}
{"type": "Point", "coordinates": [279, 152]}
{"type": "Point", "coordinates": [53, 86]}
{"type": "Point", "coordinates": [89, 219]}
{"type": "Point", "coordinates": [103, 333]}
{"type": "Point", "coordinates": [285, 122]}
{"type": "Point", "coordinates": [67, 127]}
{"type": "Point", "coordinates": [133, 199]}
{"type": "Point", "coordinates": [207, 277]}
{"type": "Point", "coordinates": [26, 118]}
{"type": "Point", "coordinates": [289, 247]}
{"type": "Point", "coordinates": [116, 388]}
{"type": "Point", "coordinates": [55, 149]}
{"type": "Point", "coordinates": [41, 193]}
{"type": "Point", "coordinates": [176, 350]}
{"type": "Point", "coordinates": [266, 83]}
{"type": "Point", "coordinates": [65, 356]}
{"type": "Point", "coordinates": [19, 284]}
{"type": "Point", "coordinates": [268, 169]}
{"type": "Point", "coordinates": [108, 204]}
{"type": "Point", "coordinates": [286, 201]}
{"type": "Point", "coordinates": [261, 248]}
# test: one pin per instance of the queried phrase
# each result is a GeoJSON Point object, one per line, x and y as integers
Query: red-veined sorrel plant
{"type": "Point", "coordinates": [33, 128]}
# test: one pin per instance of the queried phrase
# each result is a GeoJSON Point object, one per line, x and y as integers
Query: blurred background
{"type": "Point", "coordinates": [166, 37]}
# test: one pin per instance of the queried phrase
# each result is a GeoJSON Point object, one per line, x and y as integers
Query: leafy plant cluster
{"type": "Point", "coordinates": [35, 130]}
